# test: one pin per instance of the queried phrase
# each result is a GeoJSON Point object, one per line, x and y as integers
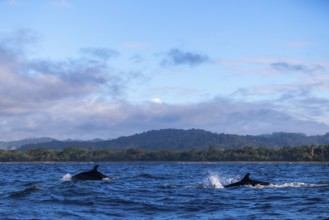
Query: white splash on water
{"type": "Point", "coordinates": [67, 177]}
{"type": "Point", "coordinates": [214, 181]}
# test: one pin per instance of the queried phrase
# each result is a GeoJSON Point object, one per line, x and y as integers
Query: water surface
{"type": "Point", "coordinates": [164, 191]}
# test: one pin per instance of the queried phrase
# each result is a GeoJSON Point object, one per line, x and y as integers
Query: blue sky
{"type": "Point", "coordinates": [103, 69]}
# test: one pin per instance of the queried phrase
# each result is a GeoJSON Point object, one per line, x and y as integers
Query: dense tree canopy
{"type": "Point", "coordinates": [213, 153]}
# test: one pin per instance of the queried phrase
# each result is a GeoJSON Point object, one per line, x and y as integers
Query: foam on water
{"type": "Point", "coordinates": [296, 184]}
{"type": "Point", "coordinates": [288, 185]}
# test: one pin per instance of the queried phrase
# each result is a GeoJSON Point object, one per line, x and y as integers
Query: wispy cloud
{"type": "Point", "coordinates": [18, 41]}
{"type": "Point", "coordinates": [61, 3]}
{"type": "Point", "coordinates": [100, 53]}
{"type": "Point", "coordinates": [300, 44]}
{"type": "Point", "coordinates": [179, 57]}
{"type": "Point", "coordinates": [287, 67]}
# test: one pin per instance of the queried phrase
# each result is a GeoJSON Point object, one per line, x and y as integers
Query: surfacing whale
{"type": "Point", "coordinates": [247, 181]}
{"type": "Point", "coordinates": [93, 174]}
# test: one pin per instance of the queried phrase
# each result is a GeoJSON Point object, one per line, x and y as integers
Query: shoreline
{"type": "Point", "coordinates": [150, 162]}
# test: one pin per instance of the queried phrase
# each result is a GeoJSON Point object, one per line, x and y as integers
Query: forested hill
{"type": "Point", "coordinates": [182, 140]}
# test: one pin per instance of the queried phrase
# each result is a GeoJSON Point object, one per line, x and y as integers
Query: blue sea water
{"type": "Point", "coordinates": [164, 191]}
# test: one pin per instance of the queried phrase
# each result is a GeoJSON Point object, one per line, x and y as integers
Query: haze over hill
{"type": "Point", "coordinates": [11, 145]}
{"type": "Point", "coordinates": [179, 139]}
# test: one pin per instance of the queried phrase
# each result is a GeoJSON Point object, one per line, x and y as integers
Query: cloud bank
{"type": "Point", "coordinates": [84, 97]}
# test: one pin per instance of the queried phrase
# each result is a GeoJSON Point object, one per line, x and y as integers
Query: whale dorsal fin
{"type": "Point", "coordinates": [246, 177]}
{"type": "Point", "coordinates": [95, 168]}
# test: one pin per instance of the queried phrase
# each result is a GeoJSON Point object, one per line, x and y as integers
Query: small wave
{"type": "Point", "coordinates": [150, 176]}
{"type": "Point", "coordinates": [146, 175]}
{"type": "Point", "coordinates": [66, 177]}
{"type": "Point", "coordinates": [24, 192]}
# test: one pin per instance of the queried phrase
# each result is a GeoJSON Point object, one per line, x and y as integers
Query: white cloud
{"type": "Point", "coordinates": [156, 100]}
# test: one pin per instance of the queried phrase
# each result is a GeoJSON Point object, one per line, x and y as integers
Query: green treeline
{"type": "Point", "coordinates": [302, 153]}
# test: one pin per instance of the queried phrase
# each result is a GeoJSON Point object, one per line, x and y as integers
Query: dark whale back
{"type": "Point", "coordinates": [247, 181]}
{"type": "Point", "coordinates": [93, 174]}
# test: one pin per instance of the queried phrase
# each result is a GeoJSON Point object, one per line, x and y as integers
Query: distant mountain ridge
{"type": "Point", "coordinates": [182, 140]}
{"type": "Point", "coordinates": [11, 145]}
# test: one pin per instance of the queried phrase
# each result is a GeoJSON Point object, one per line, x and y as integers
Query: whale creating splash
{"type": "Point", "coordinates": [93, 174]}
{"type": "Point", "coordinates": [247, 181]}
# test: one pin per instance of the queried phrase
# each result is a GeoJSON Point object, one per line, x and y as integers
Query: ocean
{"type": "Point", "coordinates": [155, 190]}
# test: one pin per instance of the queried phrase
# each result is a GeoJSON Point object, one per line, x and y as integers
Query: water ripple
{"type": "Point", "coordinates": [164, 191]}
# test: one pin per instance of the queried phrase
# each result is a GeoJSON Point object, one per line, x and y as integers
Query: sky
{"type": "Point", "coordinates": [85, 69]}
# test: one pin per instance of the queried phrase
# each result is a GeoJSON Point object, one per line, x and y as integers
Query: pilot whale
{"type": "Point", "coordinates": [93, 174]}
{"type": "Point", "coordinates": [247, 181]}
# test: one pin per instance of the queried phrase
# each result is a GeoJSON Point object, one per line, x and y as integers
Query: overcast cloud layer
{"type": "Point", "coordinates": [106, 92]}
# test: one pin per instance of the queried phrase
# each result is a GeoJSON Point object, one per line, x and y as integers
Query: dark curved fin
{"type": "Point", "coordinates": [246, 177]}
{"type": "Point", "coordinates": [95, 168]}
